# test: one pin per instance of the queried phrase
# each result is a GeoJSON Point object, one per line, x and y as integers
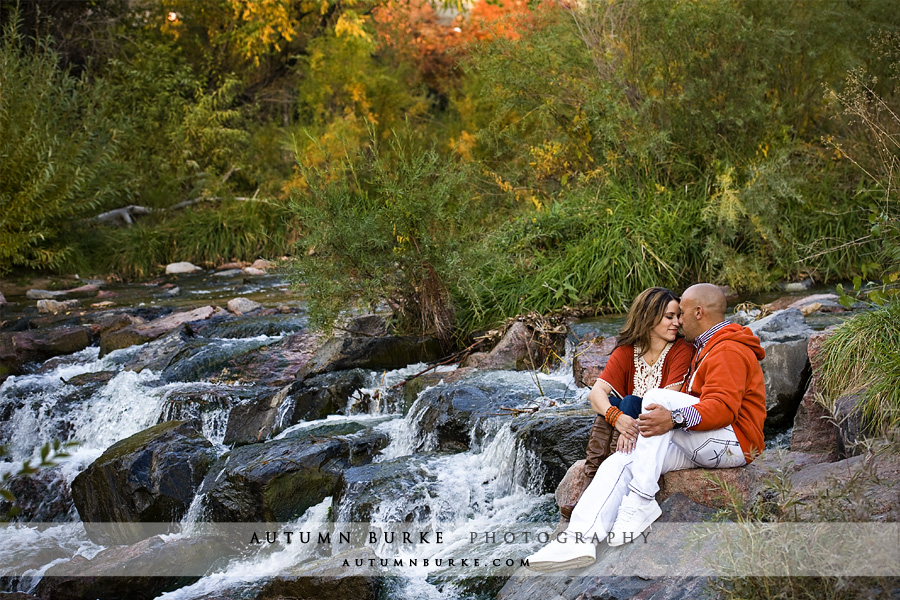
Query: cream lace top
{"type": "Point", "coordinates": [648, 377]}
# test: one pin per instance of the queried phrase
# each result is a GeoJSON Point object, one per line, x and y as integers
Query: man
{"type": "Point", "coordinates": [715, 421]}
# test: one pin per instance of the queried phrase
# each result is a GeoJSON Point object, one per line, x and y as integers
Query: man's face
{"type": "Point", "coordinates": [690, 323]}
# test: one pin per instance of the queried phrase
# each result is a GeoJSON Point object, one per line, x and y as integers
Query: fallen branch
{"type": "Point", "coordinates": [124, 214]}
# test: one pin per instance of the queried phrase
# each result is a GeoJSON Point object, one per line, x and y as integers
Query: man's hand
{"type": "Point", "coordinates": [656, 421]}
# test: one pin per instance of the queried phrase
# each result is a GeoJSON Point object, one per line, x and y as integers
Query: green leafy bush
{"type": "Point", "coordinates": [55, 151]}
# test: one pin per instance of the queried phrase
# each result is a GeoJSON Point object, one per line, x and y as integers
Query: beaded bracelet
{"type": "Point", "coordinates": [612, 415]}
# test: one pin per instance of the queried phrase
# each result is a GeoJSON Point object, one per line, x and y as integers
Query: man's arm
{"type": "Point", "coordinates": [724, 386]}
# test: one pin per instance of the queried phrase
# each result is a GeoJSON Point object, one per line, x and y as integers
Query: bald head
{"type": "Point", "coordinates": [703, 306]}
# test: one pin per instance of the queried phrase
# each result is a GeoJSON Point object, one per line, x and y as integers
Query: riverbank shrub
{"type": "Point", "coordinates": [385, 234]}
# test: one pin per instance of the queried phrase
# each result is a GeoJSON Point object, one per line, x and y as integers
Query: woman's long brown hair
{"type": "Point", "coordinates": [645, 313]}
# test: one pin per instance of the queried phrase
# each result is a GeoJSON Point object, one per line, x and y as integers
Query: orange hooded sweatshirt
{"type": "Point", "coordinates": [729, 382]}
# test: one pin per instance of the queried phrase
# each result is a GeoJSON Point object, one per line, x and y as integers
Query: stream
{"type": "Point", "coordinates": [489, 486]}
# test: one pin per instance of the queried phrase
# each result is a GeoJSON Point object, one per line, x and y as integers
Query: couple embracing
{"type": "Point", "coordinates": [664, 404]}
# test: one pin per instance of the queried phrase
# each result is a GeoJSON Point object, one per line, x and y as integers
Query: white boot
{"type": "Point", "coordinates": [635, 516]}
{"type": "Point", "coordinates": [559, 556]}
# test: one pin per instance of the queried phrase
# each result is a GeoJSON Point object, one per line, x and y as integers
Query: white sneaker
{"type": "Point", "coordinates": [559, 556]}
{"type": "Point", "coordinates": [633, 518]}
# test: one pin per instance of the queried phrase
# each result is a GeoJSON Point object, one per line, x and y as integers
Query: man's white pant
{"type": "Point", "coordinates": [639, 471]}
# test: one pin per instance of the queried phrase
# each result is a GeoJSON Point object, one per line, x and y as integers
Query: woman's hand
{"type": "Point", "coordinates": [628, 433]}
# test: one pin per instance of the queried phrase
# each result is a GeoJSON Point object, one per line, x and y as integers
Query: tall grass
{"type": "Point", "coordinates": [593, 247]}
{"type": "Point", "coordinates": [863, 356]}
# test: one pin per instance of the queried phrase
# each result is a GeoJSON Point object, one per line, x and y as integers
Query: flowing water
{"type": "Point", "coordinates": [495, 481]}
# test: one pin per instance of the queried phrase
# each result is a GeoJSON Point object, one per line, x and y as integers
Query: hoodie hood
{"type": "Point", "coordinates": [736, 333]}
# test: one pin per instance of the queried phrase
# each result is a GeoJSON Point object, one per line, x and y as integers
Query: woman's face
{"type": "Point", "coordinates": [667, 328]}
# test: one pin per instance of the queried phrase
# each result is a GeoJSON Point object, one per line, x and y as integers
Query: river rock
{"type": "Point", "coordinates": [149, 477]}
{"type": "Point", "coordinates": [388, 352]}
{"type": "Point", "coordinates": [519, 350]}
{"type": "Point", "coordinates": [253, 271]}
{"type": "Point", "coordinates": [180, 268]}
{"type": "Point", "coordinates": [814, 429]}
{"type": "Point", "coordinates": [242, 306]}
{"type": "Point", "coordinates": [272, 325]}
{"type": "Point", "coordinates": [557, 439]}
{"type": "Point", "coordinates": [263, 264]}
{"type": "Point", "coordinates": [42, 497]}
{"type": "Point", "coordinates": [451, 418]}
{"type": "Point", "coordinates": [278, 480]}
{"type": "Point", "coordinates": [850, 425]}
{"type": "Point", "coordinates": [861, 488]}
{"type": "Point", "coordinates": [323, 395]}
{"type": "Point", "coordinates": [604, 579]}
{"type": "Point", "coordinates": [400, 489]}
{"type": "Point", "coordinates": [258, 420]}
{"type": "Point", "coordinates": [328, 578]}
{"type": "Point", "coordinates": [143, 333]}
{"type": "Point", "coordinates": [229, 273]}
{"type": "Point", "coordinates": [201, 359]}
{"type": "Point", "coordinates": [275, 365]}
{"type": "Point", "coordinates": [53, 307]}
{"type": "Point", "coordinates": [21, 347]}
{"type": "Point", "coordinates": [309, 400]}
{"type": "Point", "coordinates": [141, 571]}
{"type": "Point", "coordinates": [209, 405]}
{"type": "Point", "coordinates": [590, 359]}
{"type": "Point", "coordinates": [784, 336]}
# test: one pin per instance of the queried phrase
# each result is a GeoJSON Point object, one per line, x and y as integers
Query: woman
{"type": "Point", "coordinates": [649, 354]}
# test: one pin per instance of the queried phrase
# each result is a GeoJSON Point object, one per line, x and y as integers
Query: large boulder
{"type": "Point", "coordinates": [590, 359]}
{"type": "Point", "coordinates": [149, 477]}
{"type": "Point", "coordinates": [814, 429]}
{"type": "Point", "coordinates": [278, 480]}
{"type": "Point", "coordinates": [22, 347]}
{"type": "Point", "coordinates": [145, 332]}
{"type": "Point", "coordinates": [785, 337]}
{"type": "Point", "coordinates": [312, 399]}
{"type": "Point", "coordinates": [557, 439]}
{"type": "Point", "coordinates": [141, 571]}
{"type": "Point", "coordinates": [345, 352]}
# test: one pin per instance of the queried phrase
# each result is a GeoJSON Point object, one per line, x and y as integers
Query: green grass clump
{"type": "Point", "coordinates": [228, 231]}
{"type": "Point", "coordinates": [863, 356]}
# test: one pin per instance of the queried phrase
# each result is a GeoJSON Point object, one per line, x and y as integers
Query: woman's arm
{"type": "Point", "coordinates": [599, 397]}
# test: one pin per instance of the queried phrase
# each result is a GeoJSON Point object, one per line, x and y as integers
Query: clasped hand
{"type": "Point", "coordinates": [656, 420]}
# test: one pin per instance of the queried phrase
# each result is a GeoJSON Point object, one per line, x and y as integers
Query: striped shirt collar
{"type": "Point", "coordinates": [704, 337]}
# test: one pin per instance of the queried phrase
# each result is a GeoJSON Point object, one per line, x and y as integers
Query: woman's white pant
{"type": "Point", "coordinates": [639, 471]}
